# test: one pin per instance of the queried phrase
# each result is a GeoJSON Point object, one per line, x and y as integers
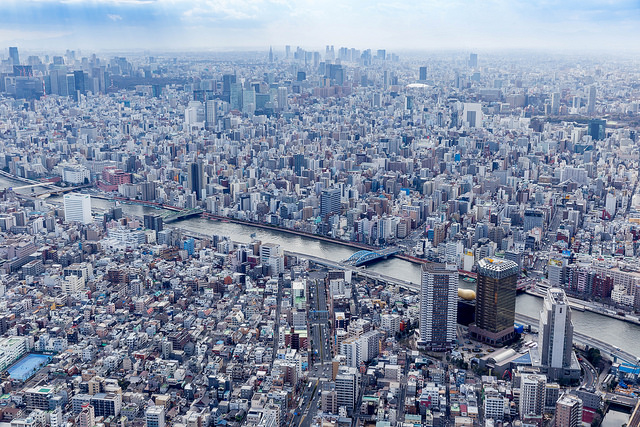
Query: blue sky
{"type": "Point", "coordinates": [394, 24]}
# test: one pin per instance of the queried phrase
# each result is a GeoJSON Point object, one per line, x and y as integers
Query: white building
{"type": "Point", "coordinates": [11, 349]}
{"type": "Point", "coordinates": [532, 394]}
{"type": "Point", "coordinates": [77, 207]}
{"type": "Point", "coordinates": [155, 416]}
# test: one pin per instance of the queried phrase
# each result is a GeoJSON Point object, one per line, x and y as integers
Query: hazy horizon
{"type": "Point", "coordinates": [225, 25]}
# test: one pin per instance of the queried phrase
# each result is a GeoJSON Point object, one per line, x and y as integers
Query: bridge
{"type": "Point", "coordinates": [363, 257]}
{"type": "Point", "coordinates": [169, 217]}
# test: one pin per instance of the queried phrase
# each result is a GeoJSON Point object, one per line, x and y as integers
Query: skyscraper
{"type": "Point", "coordinates": [77, 207]}
{"type": "Point", "coordinates": [329, 201]}
{"type": "Point", "coordinates": [569, 411]}
{"type": "Point", "coordinates": [591, 105]}
{"type": "Point", "coordinates": [423, 74]}
{"type": "Point", "coordinates": [556, 329]}
{"type": "Point", "coordinates": [13, 54]}
{"type": "Point", "coordinates": [473, 60]}
{"type": "Point", "coordinates": [555, 102]}
{"type": "Point", "coordinates": [196, 178]}
{"type": "Point", "coordinates": [438, 306]}
{"type": "Point", "coordinates": [496, 301]}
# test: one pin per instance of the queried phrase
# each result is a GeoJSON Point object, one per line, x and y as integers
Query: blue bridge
{"type": "Point", "coordinates": [363, 257]}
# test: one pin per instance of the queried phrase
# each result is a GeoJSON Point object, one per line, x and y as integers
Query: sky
{"type": "Point", "coordinates": [197, 25]}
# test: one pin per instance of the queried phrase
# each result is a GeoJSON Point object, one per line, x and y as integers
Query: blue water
{"type": "Point", "coordinates": [28, 366]}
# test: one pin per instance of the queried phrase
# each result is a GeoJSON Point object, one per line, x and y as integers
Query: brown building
{"type": "Point", "coordinates": [495, 301]}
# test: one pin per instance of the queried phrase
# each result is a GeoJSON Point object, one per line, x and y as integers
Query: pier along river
{"type": "Point", "coordinates": [617, 333]}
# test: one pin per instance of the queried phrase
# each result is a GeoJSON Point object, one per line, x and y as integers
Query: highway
{"type": "Point", "coordinates": [585, 340]}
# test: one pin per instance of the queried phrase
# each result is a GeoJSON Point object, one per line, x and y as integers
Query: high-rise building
{"type": "Point", "coordinates": [282, 99]}
{"type": "Point", "coordinates": [591, 105]}
{"type": "Point", "coordinates": [77, 207]}
{"type": "Point", "coordinates": [196, 179]}
{"type": "Point", "coordinates": [556, 330]}
{"type": "Point", "coordinates": [532, 394]}
{"type": "Point", "coordinates": [14, 56]}
{"type": "Point", "coordinates": [473, 60]}
{"type": "Point", "coordinates": [298, 163]}
{"type": "Point", "coordinates": [330, 201]}
{"type": "Point", "coordinates": [533, 219]}
{"type": "Point", "coordinates": [495, 301]}
{"type": "Point", "coordinates": [569, 411]}
{"type": "Point", "coordinates": [597, 129]}
{"type": "Point", "coordinates": [155, 416]}
{"type": "Point", "coordinates": [438, 306]}
{"type": "Point", "coordinates": [347, 387]}
{"type": "Point", "coordinates": [153, 222]}
{"type": "Point", "coordinates": [555, 102]}
{"type": "Point", "coordinates": [423, 74]}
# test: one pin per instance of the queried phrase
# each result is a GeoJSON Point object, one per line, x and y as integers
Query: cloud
{"type": "Point", "coordinates": [392, 24]}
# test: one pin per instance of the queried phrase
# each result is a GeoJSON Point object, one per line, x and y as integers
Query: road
{"type": "Point", "coordinates": [590, 379]}
{"type": "Point", "coordinates": [585, 340]}
{"type": "Point", "coordinates": [320, 367]}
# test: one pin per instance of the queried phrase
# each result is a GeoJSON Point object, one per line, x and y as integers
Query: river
{"type": "Point", "coordinates": [618, 333]}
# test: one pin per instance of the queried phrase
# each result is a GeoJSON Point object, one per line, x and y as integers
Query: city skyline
{"type": "Point", "coordinates": [256, 24]}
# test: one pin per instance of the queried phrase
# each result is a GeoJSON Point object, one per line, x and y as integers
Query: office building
{"type": "Point", "coordinates": [14, 56]}
{"type": "Point", "coordinates": [155, 416]}
{"type": "Point", "coordinates": [473, 60]}
{"type": "Point", "coordinates": [597, 129]}
{"type": "Point", "coordinates": [495, 301]}
{"type": "Point", "coordinates": [532, 394]}
{"type": "Point", "coordinates": [555, 102]}
{"type": "Point", "coordinates": [555, 330]}
{"type": "Point", "coordinates": [107, 404]}
{"type": "Point", "coordinates": [423, 74]}
{"type": "Point", "coordinates": [153, 222]}
{"type": "Point", "coordinates": [591, 105]}
{"type": "Point", "coordinates": [347, 387]}
{"type": "Point", "coordinates": [77, 207]}
{"type": "Point", "coordinates": [554, 354]}
{"type": "Point", "coordinates": [568, 411]}
{"type": "Point", "coordinates": [438, 306]}
{"type": "Point", "coordinates": [196, 179]}
{"type": "Point", "coordinates": [533, 219]}
{"type": "Point", "coordinates": [358, 350]}
{"type": "Point", "coordinates": [330, 201]}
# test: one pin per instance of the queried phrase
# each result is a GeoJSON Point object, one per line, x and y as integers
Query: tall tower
{"type": "Point", "coordinates": [495, 301]}
{"type": "Point", "coordinates": [473, 60]}
{"type": "Point", "coordinates": [591, 105]}
{"type": "Point", "coordinates": [196, 178]}
{"type": "Point", "coordinates": [423, 74]}
{"type": "Point", "coordinates": [13, 54]}
{"type": "Point", "coordinates": [555, 330]}
{"type": "Point", "coordinates": [438, 306]}
{"type": "Point", "coordinates": [555, 102]}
